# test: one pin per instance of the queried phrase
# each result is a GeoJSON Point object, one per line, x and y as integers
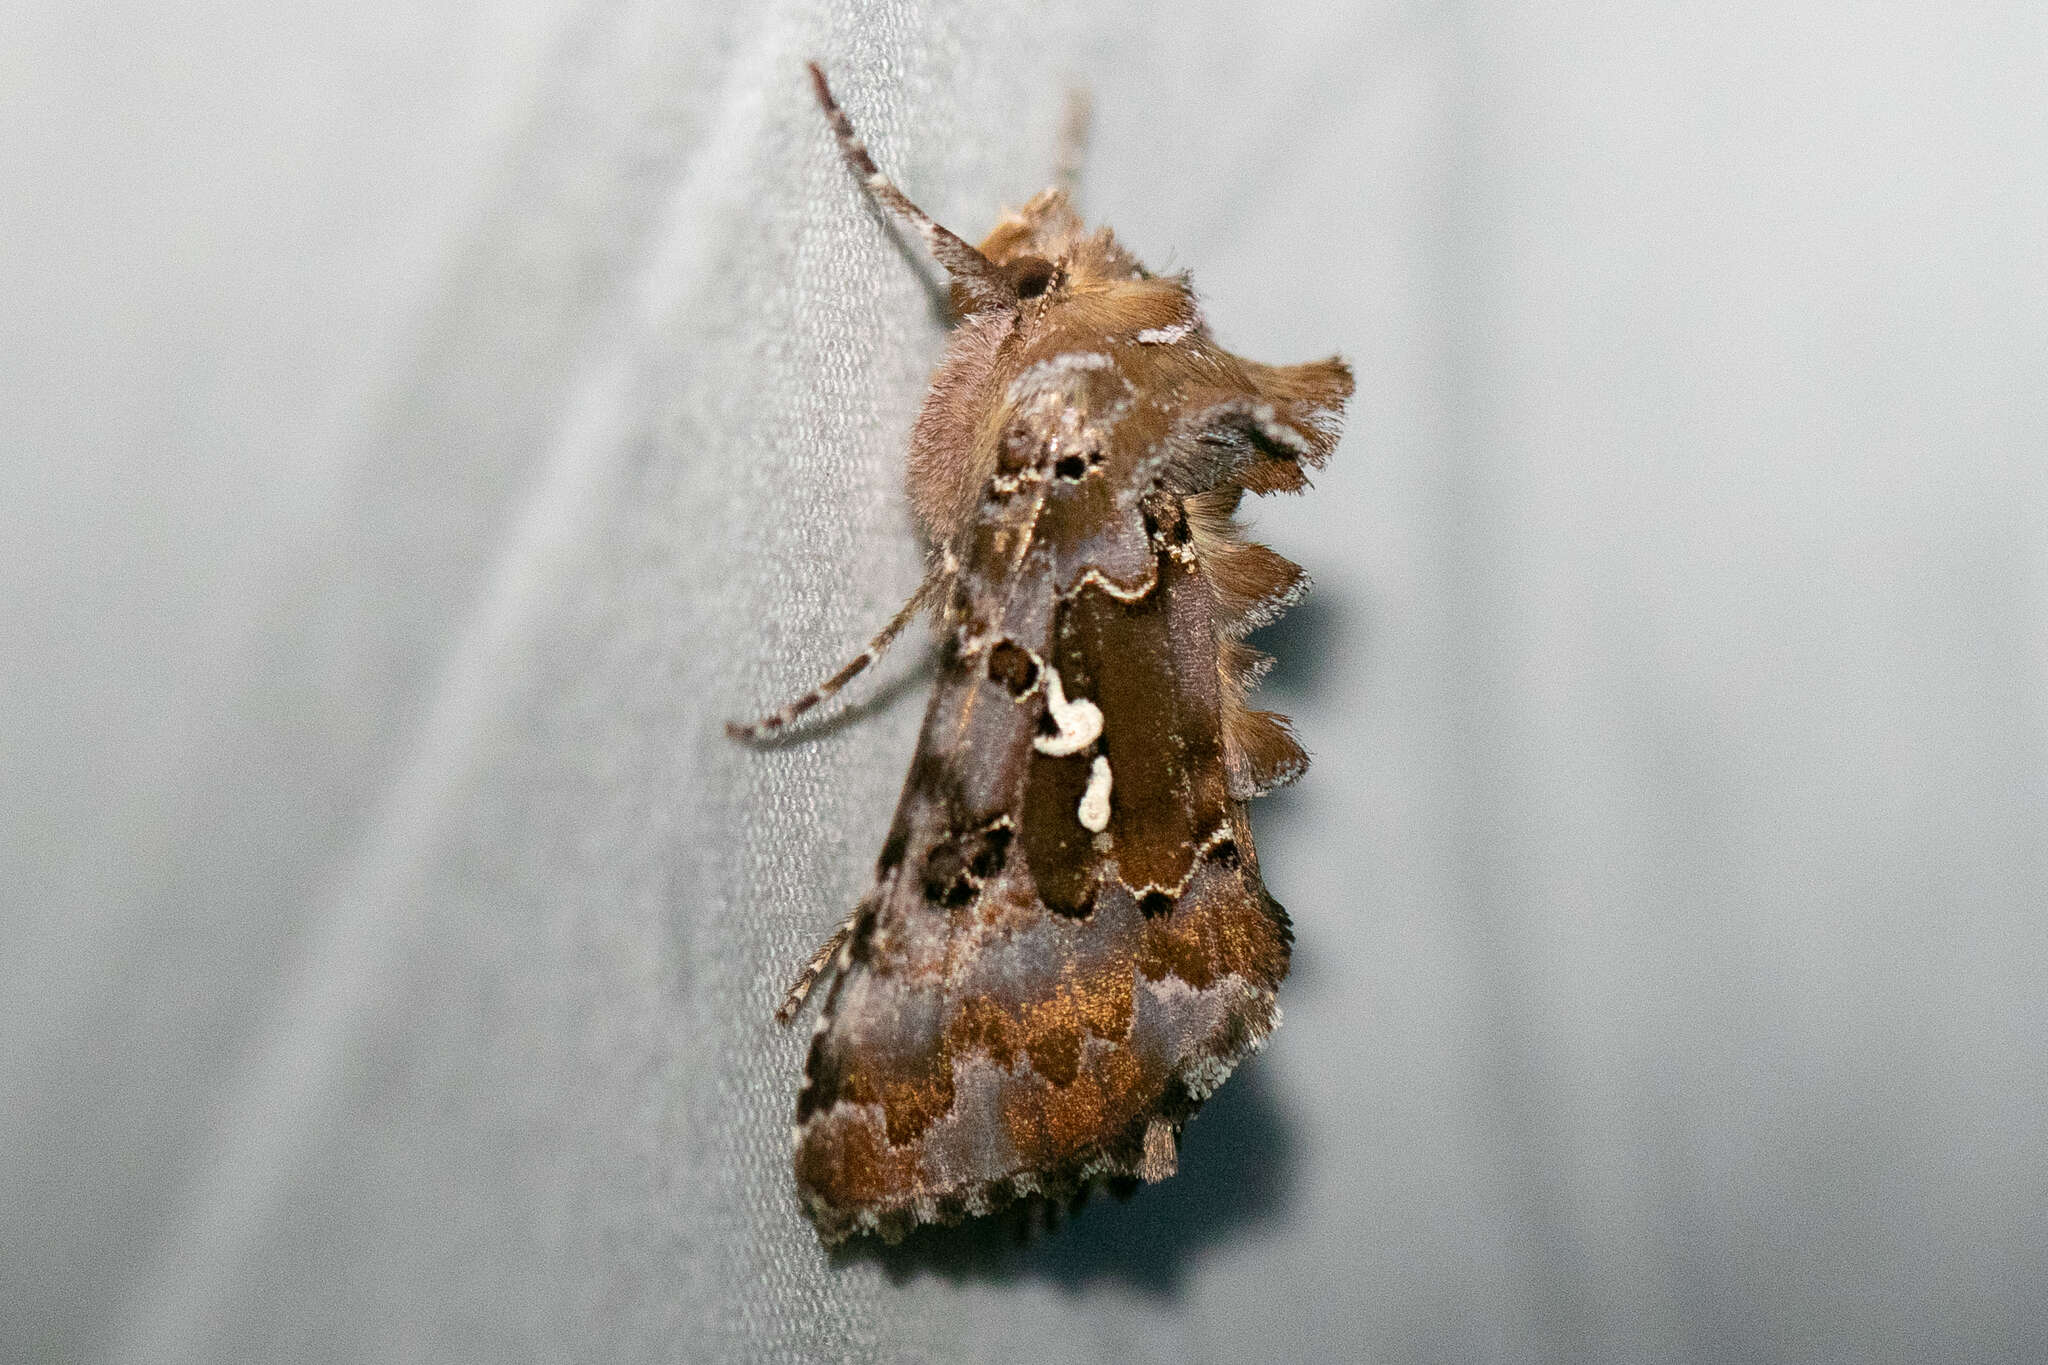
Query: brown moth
{"type": "Point", "coordinates": [1067, 947]}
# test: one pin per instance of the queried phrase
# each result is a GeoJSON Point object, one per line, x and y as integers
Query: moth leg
{"type": "Point", "coordinates": [800, 989]}
{"type": "Point", "coordinates": [1072, 150]}
{"type": "Point", "coordinates": [934, 580]}
{"type": "Point", "coordinates": [981, 283]}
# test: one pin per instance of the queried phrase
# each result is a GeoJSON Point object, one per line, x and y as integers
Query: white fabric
{"type": "Point", "coordinates": [427, 423]}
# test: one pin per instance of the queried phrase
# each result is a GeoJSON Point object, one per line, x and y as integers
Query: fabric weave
{"type": "Point", "coordinates": [430, 423]}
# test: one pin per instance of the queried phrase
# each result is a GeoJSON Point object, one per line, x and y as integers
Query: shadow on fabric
{"type": "Point", "coordinates": [1305, 644]}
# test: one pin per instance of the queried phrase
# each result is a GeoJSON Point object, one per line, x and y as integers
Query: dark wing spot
{"type": "Point", "coordinates": [945, 876]}
{"type": "Point", "coordinates": [1013, 667]}
{"type": "Point", "coordinates": [892, 854]}
{"type": "Point", "coordinates": [994, 852]}
{"type": "Point", "coordinates": [1071, 467]}
{"type": "Point", "coordinates": [1082, 908]}
{"type": "Point", "coordinates": [860, 949]}
{"type": "Point", "coordinates": [822, 1081]}
{"type": "Point", "coordinates": [1225, 854]}
{"type": "Point", "coordinates": [1155, 903]}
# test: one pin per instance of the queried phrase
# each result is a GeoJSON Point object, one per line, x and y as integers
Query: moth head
{"type": "Point", "coordinates": [1045, 250]}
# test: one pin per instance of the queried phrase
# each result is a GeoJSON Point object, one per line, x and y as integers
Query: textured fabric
{"type": "Point", "coordinates": [428, 423]}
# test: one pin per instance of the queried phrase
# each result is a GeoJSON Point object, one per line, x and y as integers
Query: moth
{"type": "Point", "coordinates": [1067, 947]}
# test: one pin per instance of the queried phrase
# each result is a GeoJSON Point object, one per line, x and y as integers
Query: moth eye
{"type": "Point", "coordinates": [1032, 275]}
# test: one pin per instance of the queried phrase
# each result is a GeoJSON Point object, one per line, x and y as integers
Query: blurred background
{"type": "Point", "coordinates": [425, 424]}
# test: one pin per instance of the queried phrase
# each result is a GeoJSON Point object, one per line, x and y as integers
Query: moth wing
{"type": "Point", "coordinates": [1069, 946]}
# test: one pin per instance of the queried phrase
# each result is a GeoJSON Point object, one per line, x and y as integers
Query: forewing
{"type": "Point", "coordinates": [1029, 996]}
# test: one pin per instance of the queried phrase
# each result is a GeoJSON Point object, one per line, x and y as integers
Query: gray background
{"type": "Point", "coordinates": [424, 423]}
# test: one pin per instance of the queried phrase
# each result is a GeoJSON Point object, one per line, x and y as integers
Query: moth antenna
{"type": "Point", "coordinates": [982, 284]}
{"type": "Point", "coordinates": [800, 989]}
{"type": "Point", "coordinates": [1072, 151]}
{"type": "Point", "coordinates": [748, 732]}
